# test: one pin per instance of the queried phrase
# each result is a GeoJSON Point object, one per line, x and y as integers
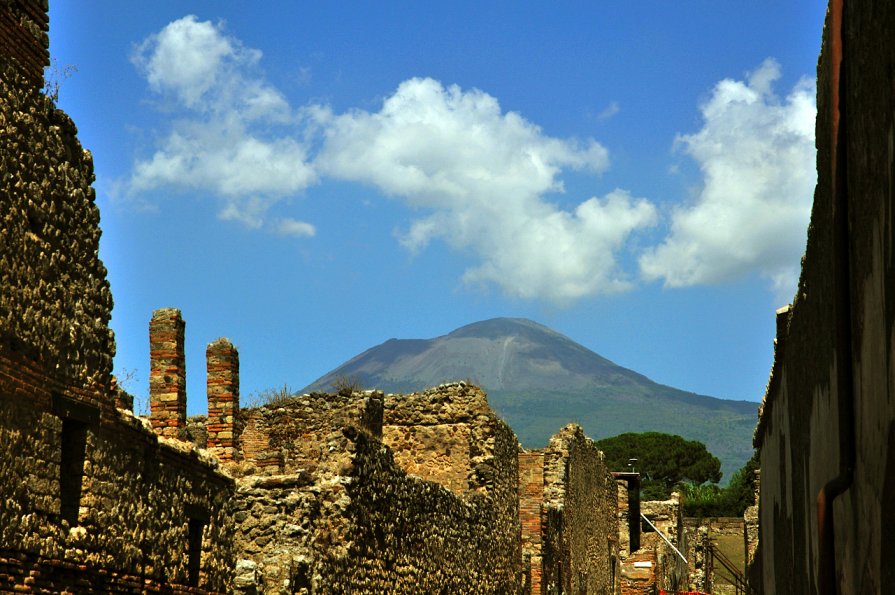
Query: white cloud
{"type": "Point", "coordinates": [609, 111]}
{"type": "Point", "coordinates": [186, 58]}
{"type": "Point", "coordinates": [484, 174]}
{"type": "Point", "coordinates": [757, 157]}
{"type": "Point", "coordinates": [293, 227]}
{"type": "Point", "coordinates": [235, 136]}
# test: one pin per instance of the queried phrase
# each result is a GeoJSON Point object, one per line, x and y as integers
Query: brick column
{"type": "Point", "coordinates": [222, 360]}
{"type": "Point", "coordinates": [531, 499]}
{"type": "Point", "coordinates": [167, 373]}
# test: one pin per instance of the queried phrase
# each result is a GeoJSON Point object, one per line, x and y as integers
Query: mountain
{"type": "Point", "coordinates": [539, 380]}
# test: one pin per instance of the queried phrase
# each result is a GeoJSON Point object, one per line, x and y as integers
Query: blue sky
{"type": "Point", "coordinates": [311, 179]}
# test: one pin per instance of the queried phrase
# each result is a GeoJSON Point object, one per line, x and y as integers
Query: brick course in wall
{"type": "Point", "coordinates": [23, 36]}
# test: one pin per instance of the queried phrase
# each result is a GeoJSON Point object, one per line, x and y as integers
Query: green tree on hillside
{"type": "Point", "coordinates": [710, 500]}
{"type": "Point", "coordinates": [664, 461]}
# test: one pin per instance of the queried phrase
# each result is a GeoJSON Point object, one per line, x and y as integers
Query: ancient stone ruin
{"type": "Point", "coordinates": [364, 492]}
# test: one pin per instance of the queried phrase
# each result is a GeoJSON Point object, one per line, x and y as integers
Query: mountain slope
{"type": "Point", "coordinates": [539, 380]}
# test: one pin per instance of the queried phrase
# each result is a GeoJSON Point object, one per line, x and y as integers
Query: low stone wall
{"type": "Point", "coordinates": [105, 495]}
{"type": "Point", "coordinates": [287, 436]}
{"type": "Point", "coordinates": [351, 519]}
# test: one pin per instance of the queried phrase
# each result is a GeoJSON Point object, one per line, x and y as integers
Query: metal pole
{"type": "Point", "coordinates": [665, 538]}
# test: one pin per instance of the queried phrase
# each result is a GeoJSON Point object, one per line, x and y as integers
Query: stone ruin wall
{"type": "Point", "coordinates": [722, 531]}
{"type": "Point", "coordinates": [567, 508]}
{"type": "Point", "coordinates": [56, 304]}
{"type": "Point", "coordinates": [655, 565]}
{"type": "Point", "coordinates": [91, 499]}
{"type": "Point", "coordinates": [23, 37]}
{"type": "Point", "coordinates": [132, 515]}
{"type": "Point", "coordinates": [323, 504]}
{"type": "Point", "coordinates": [293, 435]}
{"type": "Point", "coordinates": [667, 515]}
{"type": "Point", "coordinates": [798, 436]}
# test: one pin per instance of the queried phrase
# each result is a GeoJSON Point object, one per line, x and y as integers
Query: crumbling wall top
{"type": "Point", "coordinates": [55, 304]}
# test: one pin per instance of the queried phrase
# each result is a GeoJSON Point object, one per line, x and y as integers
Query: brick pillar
{"type": "Point", "coordinates": [222, 360]}
{"type": "Point", "coordinates": [167, 373]}
{"type": "Point", "coordinates": [531, 499]}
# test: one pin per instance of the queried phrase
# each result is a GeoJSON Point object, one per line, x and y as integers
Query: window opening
{"type": "Point", "coordinates": [71, 469]}
{"type": "Point", "coordinates": [194, 551]}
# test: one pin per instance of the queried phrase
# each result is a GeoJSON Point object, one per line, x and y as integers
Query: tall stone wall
{"type": "Point", "coordinates": [55, 303]}
{"type": "Point", "coordinates": [804, 430]}
{"type": "Point", "coordinates": [578, 544]}
{"type": "Point", "coordinates": [90, 499]}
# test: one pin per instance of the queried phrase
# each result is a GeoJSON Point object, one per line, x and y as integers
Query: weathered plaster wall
{"type": "Point", "coordinates": [799, 429]}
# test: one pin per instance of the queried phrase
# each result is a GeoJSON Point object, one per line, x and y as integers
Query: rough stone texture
{"type": "Point", "coordinates": [451, 436]}
{"type": "Point", "coordinates": [134, 502]}
{"type": "Point", "coordinates": [167, 373]}
{"type": "Point", "coordinates": [671, 570]}
{"type": "Point", "coordinates": [90, 499]}
{"type": "Point", "coordinates": [55, 304]}
{"type": "Point", "coordinates": [291, 436]}
{"type": "Point", "coordinates": [336, 513]}
{"type": "Point", "coordinates": [577, 540]}
{"type": "Point", "coordinates": [750, 520]}
{"type": "Point", "coordinates": [638, 573]}
{"type": "Point", "coordinates": [222, 432]}
{"type": "Point", "coordinates": [799, 429]}
{"type": "Point", "coordinates": [667, 570]}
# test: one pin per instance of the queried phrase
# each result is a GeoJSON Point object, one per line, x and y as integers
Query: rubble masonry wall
{"type": "Point", "coordinates": [89, 498]}
{"type": "Point", "coordinates": [580, 529]}
{"type": "Point", "coordinates": [336, 513]}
